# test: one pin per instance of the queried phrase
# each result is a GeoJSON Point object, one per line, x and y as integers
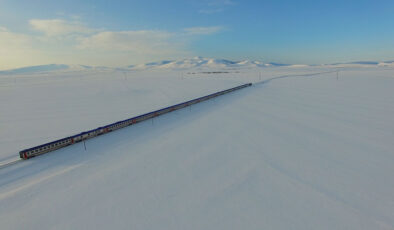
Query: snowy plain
{"type": "Point", "coordinates": [295, 152]}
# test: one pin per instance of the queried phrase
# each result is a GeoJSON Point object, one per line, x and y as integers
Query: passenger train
{"type": "Point", "coordinates": [48, 147]}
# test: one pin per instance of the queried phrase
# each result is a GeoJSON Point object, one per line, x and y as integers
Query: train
{"type": "Point", "coordinates": [57, 144]}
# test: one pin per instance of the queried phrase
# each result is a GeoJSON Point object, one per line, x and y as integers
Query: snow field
{"type": "Point", "coordinates": [295, 153]}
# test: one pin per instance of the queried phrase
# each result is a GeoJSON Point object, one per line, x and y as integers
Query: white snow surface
{"type": "Point", "coordinates": [292, 152]}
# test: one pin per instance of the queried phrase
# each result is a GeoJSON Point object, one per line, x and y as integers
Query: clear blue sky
{"type": "Point", "coordinates": [286, 31]}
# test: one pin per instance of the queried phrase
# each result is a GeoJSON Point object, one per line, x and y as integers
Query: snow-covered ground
{"type": "Point", "coordinates": [298, 152]}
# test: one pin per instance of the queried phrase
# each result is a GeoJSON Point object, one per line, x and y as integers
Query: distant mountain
{"type": "Point", "coordinates": [57, 68]}
{"type": "Point", "coordinates": [211, 63]}
{"type": "Point", "coordinates": [35, 69]}
{"type": "Point", "coordinates": [363, 64]}
{"type": "Point", "coordinates": [200, 62]}
{"type": "Point", "coordinates": [277, 64]}
{"type": "Point", "coordinates": [387, 63]}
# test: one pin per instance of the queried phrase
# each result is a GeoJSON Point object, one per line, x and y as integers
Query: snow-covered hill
{"type": "Point", "coordinates": [58, 68]}
{"type": "Point", "coordinates": [363, 64]}
{"type": "Point", "coordinates": [195, 63]}
{"type": "Point", "coordinates": [222, 64]}
{"type": "Point", "coordinates": [184, 64]}
{"type": "Point", "coordinates": [36, 69]}
{"type": "Point", "coordinates": [201, 63]}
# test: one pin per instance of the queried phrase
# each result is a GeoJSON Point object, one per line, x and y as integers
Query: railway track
{"type": "Point", "coordinates": [13, 161]}
{"type": "Point", "coordinates": [293, 75]}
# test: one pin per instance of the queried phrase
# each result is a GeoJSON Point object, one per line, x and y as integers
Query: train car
{"type": "Point", "coordinates": [48, 147]}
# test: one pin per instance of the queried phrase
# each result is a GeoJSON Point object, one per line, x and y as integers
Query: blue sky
{"type": "Point", "coordinates": [131, 32]}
